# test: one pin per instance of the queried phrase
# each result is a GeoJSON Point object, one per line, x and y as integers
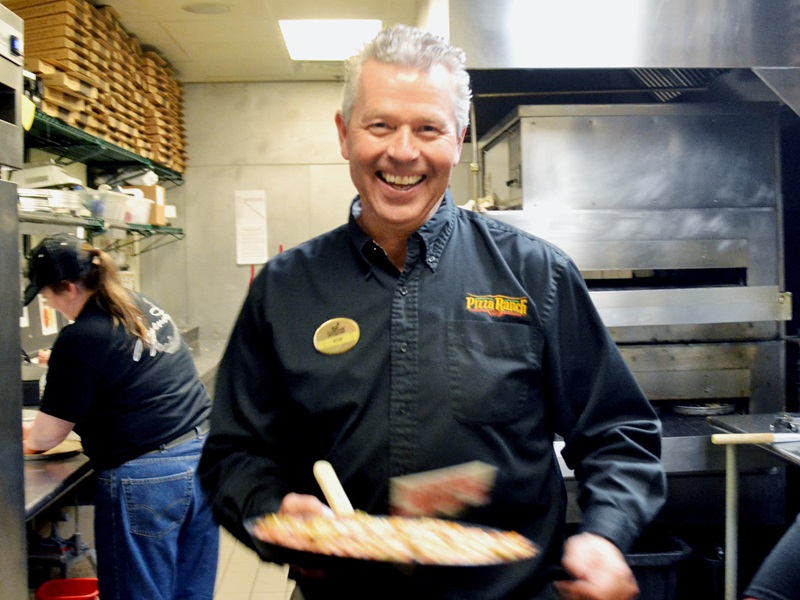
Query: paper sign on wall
{"type": "Point", "coordinates": [47, 317]}
{"type": "Point", "coordinates": [251, 227]}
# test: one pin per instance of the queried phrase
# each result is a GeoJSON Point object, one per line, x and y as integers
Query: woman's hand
{"type": "Point", "coordinates": [26, 432]}
{"type": "Point", "coordinates": [599, 569]}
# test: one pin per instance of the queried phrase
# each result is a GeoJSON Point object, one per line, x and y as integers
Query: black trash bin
{"type": "Point", "coordinates": [654, 560]}
{"type": "Point", "coordinates": [702, 575]}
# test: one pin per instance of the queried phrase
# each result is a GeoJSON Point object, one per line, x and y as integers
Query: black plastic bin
{"type": "Point", "coordinates": [654, 560]}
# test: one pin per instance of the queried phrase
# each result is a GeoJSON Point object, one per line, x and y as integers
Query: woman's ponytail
{"type": "Point", "coordinates": [103, 279]}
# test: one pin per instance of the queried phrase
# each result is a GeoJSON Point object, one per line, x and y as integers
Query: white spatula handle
{"type": "Point", "coordinates": [332, 488]}
{"type": "Point", "coordinates": [754, 438]}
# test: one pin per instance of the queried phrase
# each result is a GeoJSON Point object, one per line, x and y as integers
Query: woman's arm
{"type": "Point", "coordinates": [43, 433]}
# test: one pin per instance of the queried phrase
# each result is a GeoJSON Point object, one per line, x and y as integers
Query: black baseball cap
{"type": "Point", "coordinates": [56, 258]}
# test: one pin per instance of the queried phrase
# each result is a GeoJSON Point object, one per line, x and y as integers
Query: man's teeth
{"type": "Point", "coordinates": [402, 180]}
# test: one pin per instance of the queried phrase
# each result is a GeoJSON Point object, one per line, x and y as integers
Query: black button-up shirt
{"type": "Point", "coordinates": [484, 347]}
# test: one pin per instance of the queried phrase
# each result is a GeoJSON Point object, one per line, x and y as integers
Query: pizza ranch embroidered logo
{"type": "Point", "coordinates": [498, 306]}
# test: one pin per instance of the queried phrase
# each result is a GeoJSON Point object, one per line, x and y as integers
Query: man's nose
{"type": "Point", "coordinates": [403, 146]}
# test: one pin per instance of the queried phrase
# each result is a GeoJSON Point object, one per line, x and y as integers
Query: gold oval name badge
{"type": "Point", "coordinates": [336, 336]}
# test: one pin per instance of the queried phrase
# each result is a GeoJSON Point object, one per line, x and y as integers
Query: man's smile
{"type": "Point", "coordinates": [400, 182]}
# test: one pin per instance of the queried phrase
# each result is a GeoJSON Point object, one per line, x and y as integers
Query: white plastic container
{"type": "Point", "coordinates": [106, 205]}
{"type": "Point", "coordinates": [112, 206]}
{"type": "Point", "coordinates": [137, 210]}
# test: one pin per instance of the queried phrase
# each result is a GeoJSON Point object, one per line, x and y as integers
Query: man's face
{"type": "Point", "coordinates": [402, 144]}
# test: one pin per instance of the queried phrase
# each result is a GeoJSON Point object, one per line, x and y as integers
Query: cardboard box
{"type": "Point", "coordinates": [27, 9]}
{"type": "Point", "coordinates": [39, 66]}
{"type": "Point", "coordinates": [70, 84]}
{"type": "Point", "coordinates": [34, 25]}
{"type": "Point", "coordinates": [158, 215]}
{"type": "Point", "coordinates": [64, 99]}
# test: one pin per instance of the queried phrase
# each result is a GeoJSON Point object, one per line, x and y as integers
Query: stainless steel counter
{"type": "Point", "coordinates": [759, 423]}
{"type": "Point", "coordinates": [48, 480]}
{"type": "Point", "coordinates": [207, 354]}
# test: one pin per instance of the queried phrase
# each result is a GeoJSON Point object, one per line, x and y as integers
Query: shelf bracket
{"type": "Point", "coordinates": [78, 153]}
{"type": "Point", "coordinates": [143, 234]}
{"type": "Point", "coordinates": [160, 243]}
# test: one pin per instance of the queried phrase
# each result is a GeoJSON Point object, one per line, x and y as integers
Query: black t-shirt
{"type": "Point", "coordinates": [125, 398]}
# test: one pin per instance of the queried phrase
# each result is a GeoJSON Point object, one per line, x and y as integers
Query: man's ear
{"type": "Point", "coordinates": [341, 127]}
{"type": "Point", "coordinates": [459, 147]}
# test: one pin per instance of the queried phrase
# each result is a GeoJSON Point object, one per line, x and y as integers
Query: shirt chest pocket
{"type": "Point", "coordinates": [492, 367]}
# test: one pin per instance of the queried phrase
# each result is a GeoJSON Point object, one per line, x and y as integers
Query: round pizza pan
{"type": "Point", "coordinates": [316, 560]}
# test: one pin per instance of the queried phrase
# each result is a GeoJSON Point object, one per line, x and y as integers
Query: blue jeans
{"type": "Point", "coordinates": [154, 533]}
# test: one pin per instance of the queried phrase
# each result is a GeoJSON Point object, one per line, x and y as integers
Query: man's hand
{"type": "Point", "coordinates": [599, 569]}
{"type": "Point", "coordinates": [304, 504]}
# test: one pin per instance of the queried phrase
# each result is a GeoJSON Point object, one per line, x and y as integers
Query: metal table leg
{"type": "Point", "coordinates": [731, 522]}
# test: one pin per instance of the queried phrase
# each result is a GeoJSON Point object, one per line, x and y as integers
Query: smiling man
{"type": "Point", "coordinates": [402, 139]}
{"type": "Point", "coordinates": [424, 340]}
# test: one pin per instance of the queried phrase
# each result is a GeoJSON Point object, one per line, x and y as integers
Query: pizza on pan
{"type": "Point", "coordinates": [408, 540]}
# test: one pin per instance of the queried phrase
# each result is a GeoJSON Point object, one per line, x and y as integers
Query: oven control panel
{"type": "Point", "coordinates": [11, 44]}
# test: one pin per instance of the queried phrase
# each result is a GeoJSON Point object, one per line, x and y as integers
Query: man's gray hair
{"type": "Point", "coordinates": [411, 47]}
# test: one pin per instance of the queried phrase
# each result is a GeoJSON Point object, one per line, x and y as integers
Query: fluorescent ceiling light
{"type": "Point", "coordinates": [327, 39]}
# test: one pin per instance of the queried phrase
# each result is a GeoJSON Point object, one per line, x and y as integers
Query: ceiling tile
{"type": "Point", "coordinates": [245, 43]}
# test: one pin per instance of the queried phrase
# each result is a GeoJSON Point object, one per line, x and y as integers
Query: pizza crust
{"type": "Point", "coordinates": [417, 540]}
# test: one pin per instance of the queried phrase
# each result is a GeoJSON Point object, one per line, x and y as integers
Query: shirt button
{"type": "Point", "coordinates": [431, 259]}
{"type": "Point", "coordinates": [403, 347]}
{"type": "Point", "coordinates": [403, 291]}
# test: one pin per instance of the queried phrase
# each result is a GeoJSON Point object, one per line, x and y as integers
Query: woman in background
{"type": "Point", "coordinates": [778, 577]}
{"type": "Point", "coordinates": [122, 377]}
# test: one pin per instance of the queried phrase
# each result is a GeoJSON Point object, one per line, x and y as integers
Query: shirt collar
{"type": "Point", "coordinates": [436, 231]}
{"type": "Point", "coordinates": [432, 236]}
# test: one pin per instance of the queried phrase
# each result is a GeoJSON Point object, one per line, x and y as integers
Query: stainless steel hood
{"type": "Point", "coordinates": [665, 36]}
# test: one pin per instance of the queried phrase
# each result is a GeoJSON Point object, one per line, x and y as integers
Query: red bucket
{"type": "Point", "coordinates": [78, 588]}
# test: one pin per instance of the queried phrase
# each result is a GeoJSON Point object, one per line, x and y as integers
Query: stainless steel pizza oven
{"type": "Point", "coordinates": [673, 215]}
{"type": "Point", "coordinates": [11, 82]}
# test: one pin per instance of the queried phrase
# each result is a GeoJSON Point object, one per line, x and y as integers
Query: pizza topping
{"type": "Point", "coordinates": [418, 540]}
